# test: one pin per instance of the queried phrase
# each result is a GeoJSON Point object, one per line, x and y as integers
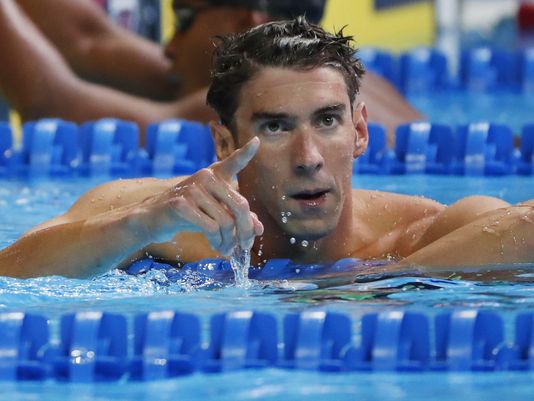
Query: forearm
{"type": "Point", "coordinates": [30, 66]}
{"type": "Point", "coordinates": [127, 62]}
{"type": "Point", "coordinates": [76, 249]}
{"type": "Point", "coordinates": [100, 51]}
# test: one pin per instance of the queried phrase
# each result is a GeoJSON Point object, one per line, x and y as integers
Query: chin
{"type": "Point", "coordinates": [309, 231]}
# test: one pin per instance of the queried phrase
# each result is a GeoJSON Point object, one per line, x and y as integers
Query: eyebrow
{"type": "Point", "coordinates": [270, 116]}
{"type": "Point", "coordinates": [336, 108]}
{"type": "Point", "coordinates": [265, 115]}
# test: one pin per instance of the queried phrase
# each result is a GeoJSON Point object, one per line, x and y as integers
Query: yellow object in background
{"type": "Point", "coordinates": [396, 28]}
{"type": "Point", "coordinates": [16, 126]}
{"type": "Point", "coordinates": [167, 20]}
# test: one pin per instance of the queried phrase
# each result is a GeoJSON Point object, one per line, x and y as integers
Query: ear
{"type": "Point", "coordinates": [223, 139]}
{"type": "Point", "coordinates": [361, 139]}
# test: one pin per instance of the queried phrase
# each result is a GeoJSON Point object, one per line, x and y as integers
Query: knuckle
{"type": "Point", "coordinates": [242, 205]}
{"type": "Point", "coordinates": [205, 175]}
{"type": "Point", "coordinates": [179, 202]}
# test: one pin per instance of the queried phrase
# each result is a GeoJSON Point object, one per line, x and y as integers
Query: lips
{"type": "Point", "coordinates": [310, 195]}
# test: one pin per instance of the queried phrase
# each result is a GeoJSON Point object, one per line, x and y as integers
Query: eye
{"type": "Point", "coordinates": [328, 121]}
{"type": "Point", "coordinates": [273, 127]}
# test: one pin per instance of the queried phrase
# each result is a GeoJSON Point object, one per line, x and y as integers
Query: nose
{"type": "Point", "coordinates": [307, 156]}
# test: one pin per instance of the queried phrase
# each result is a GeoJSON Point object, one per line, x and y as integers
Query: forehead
{"type": "Point", "coordinates": [286, 90]}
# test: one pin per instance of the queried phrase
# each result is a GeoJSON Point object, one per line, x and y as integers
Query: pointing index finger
{"type": "Point", "coordinates": [238, 160]}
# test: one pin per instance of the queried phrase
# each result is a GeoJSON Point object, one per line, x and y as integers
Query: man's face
{"type": "Point", "coordinates": [301, 175]}
{"type": "Point", "coordinates": [190, 50]}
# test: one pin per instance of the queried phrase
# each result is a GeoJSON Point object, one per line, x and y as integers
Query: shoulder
{"type": "Point", "coordinates": [406, 207]}
{"type": "Point", "coordinates": [119, 193]}
{"type": "Point", "coordinates": [109, 196]}
{"type": "Point", "coordinates": [385, 212]}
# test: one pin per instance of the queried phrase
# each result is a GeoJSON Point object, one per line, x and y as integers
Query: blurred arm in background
{"type": "Point", "coordinates": [46, 62]}
{"type": "Point", "coordinates": [98, 50]}
{"type": "Point", "coordinates": [37, 82]}
{"type": "Point", "coordinates": [386, 105]}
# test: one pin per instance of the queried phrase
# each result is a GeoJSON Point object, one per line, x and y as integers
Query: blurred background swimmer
{"type": "Point", "coordinates": [82, 66]}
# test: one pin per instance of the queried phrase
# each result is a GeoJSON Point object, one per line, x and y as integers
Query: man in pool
{"type": "Point", "coordinates": [290, 127]}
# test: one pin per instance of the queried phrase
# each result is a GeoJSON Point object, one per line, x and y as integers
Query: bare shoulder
{"type": "Point", "coordinates": [120, 193]}
{"type": "Point", "coordinates": [109, 196]}
{"type": "Point", "coordinates": [397, 201]}
{"type": "Point", "coordinates": [392, 207]}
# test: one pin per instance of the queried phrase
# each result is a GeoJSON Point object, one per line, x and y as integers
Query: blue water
{"type": "Point", "coordinates": [454, 108]}
{"type": "Point", "coordinates": [24, 204]}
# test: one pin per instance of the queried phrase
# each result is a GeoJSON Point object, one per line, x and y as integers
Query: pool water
{"type": "Point", "coordinates": [26, 203]}
{"type": "Point", "coordinates": [460, 107]}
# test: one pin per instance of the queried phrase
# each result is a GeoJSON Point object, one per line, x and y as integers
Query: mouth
{"type": "Point", "coordinates": [311, 199]}
{"type": "Point", "coordinates": [310, 195]}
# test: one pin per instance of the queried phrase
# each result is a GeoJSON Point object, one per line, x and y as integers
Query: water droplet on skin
{"type": "Point", "coordinates": [284, 197]}
{"type": "Point", "coordinates": [284, 220]}
{"type": "Point", "coordinates": [304, 243]}
{"type": "Point", "coordinates": [527, 218]}
{"type": "Point", "coordinates": [292, 240]}
{"type": "Point", "coordinates": [489, 230]}
{"type": "Point", "coordinates": [273, 187]}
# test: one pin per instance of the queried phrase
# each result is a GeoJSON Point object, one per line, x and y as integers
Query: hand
{"type": "Point", "coordinates": [207, 202]}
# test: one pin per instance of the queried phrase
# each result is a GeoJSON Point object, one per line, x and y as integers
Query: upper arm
{"type": "Point", "coordinates": [80, 21]}
{"type": "Point", "coordinates": [459, 214]}
{"type": "Point", "coordinates": [109, 196]}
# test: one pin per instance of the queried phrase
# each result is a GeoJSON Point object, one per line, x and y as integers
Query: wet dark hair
{"type": "Point", "coordinates": [295, 44]}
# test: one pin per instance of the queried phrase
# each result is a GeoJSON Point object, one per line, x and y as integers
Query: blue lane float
{"type": "Point", "coordinates": [111, 147]}
{"type": "Point", "coordinates": [423, 70]}
{"type": "Point", "coordinates": [178, 147]}
{"type": "Point", "coordinates": [95, 346]}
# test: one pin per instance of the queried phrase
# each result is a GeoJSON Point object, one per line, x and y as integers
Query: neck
{"type": "Point", "coordinates": [276, 243]}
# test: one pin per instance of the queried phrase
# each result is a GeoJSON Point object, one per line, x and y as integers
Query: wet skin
{"type": "Point", "coordinates": [296, 136]}
{"type": "Point", "coordinates": [303, 168]}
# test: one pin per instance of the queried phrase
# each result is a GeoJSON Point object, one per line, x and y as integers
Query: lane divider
{"type": "Point", "coordinates": [97, 346]}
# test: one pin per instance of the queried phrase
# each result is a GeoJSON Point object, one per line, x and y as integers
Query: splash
{"type": "Point", "coordinates": [240, 261]}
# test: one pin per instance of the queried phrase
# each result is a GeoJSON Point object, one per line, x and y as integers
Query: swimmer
{"type": "Point", "coordinates": [82, 67]}
{"type": "Point", "coordinates": [289, 126]}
